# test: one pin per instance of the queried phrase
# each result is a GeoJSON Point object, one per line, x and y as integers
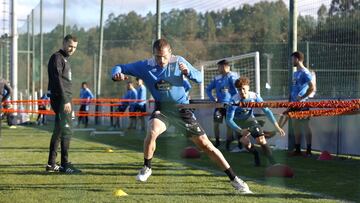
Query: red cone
{"type": "Point", "coordinates": [190, 153]}
{"type": "Point", "coordinates": [279, 170]}
{"type": "Point", "coordinates": [325, 155]}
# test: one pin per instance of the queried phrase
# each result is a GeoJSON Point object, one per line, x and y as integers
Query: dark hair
{"type": "Point", "coordinates": [83, 83]}
{"type": "Point", "coordinates": [242, 81]}
{"type": "Point", "coordinates": [137, 79]}
{"type": "Point", "coordinates": [223, 62]}
{"type": "Point", "coordinates": [70, 37]}
{"type": "Point", "coordinates": [160, 44]}
{"type": "Point", "coordinates": [299, 55]}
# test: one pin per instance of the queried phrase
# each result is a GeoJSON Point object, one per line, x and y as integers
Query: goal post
{"type": "Point", "coordinates": [245, 65]}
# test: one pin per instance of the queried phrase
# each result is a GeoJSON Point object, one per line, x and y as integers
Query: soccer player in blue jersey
{"type": "Point", "coordinates": [141, 103]}
{"type": "Point", "coordinates": [225, 89]}
{"type": "Point", "coordinates": [164, 75]}
{"type": "Point", "coordinates": [85, 94]}
{"type": "Point", "coordinates": [5, 93]}
{"type": "Point", "coordinates": [42, 105]}
{"type": "Point", "coordinates": [187, 86]}
{"type": "Point", "coordinates": [302, 87]}
{"type": "Point", "coordinates": [131, 94]}
{"type": "Point", "coordinates": [243, 121]}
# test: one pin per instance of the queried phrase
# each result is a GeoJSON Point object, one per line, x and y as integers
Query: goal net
{"type": "Point", "coordinates": [244, 65]}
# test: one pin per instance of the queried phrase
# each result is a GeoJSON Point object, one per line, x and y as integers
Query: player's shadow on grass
{"type": "Point", "coordinates": [109, 169]}
{"type": "Point", "coordinates": [288, 196]}
{"type": "Point", "coordinates": [23, 148]}
{"type": "Point", "coordinates": [73, 149]}
{"type": "Point", "coordinates": [226, 194]}
{"type": "Point", "coordinates": [130, 166]}
{"type": "Point", "coordinates": [30, 172]}
{"type": "Point", "coordinates": [134, 172]}
{"type": "Point", "coordinates": [69, 186]}
{"type": "Point", "coordinates": [108, 166]}
{"type": "Point", "coordinates": [98, 173]}
{"type": "Point", "coordinates": [21, 165]}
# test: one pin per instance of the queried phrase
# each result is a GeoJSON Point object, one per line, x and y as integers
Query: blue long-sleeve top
{"type": "Point", "coordinates": [301, 80]}
{"type": "Point", "coordinates": [130, 94]}
{"type": "Point", "coordinates": [187, 85]}
{"type": "Point", "coordinates": [224, 87]}
{"type": "Point", "coordinates": [141, 94]}
{"type": "Point", "coordinates": [85, 93]}
{"type": "Point", "coordinates": [164, 83]}
{"type": "Point", "coordinates": [43, 99]}
{"type": "Point", "coordinates": [239, 113]}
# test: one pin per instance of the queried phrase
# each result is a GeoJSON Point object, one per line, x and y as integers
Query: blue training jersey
{"type": "Point", "coordinates": [164, 83]}
{"type": "Point", "coordinates": [301, 79]}
{"type": "Point", "coordinates": [141, 94]}
{"type": "Point", "coordinates": [130, 94]}
{"type": "Point", "coordinates": [86, 94]}
{"type": "Point", "coordinates": [187, 86]}
{"type": "Point", "coordinates": [240, 113]}
{"type": "Point", "coordinates": [43, 98]}
{"type": "Point", "coordinates": [224, 87]}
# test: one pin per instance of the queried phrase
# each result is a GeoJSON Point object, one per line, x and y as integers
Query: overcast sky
{"type": "Point", "coordinates": [86, 13]}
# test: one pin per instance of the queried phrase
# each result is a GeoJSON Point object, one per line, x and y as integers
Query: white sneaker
{"type": "Point", "coordinates": [237, 149]}
{"type": "Point", "coordinates": [240, 186]}
{"type": "Point", "coordinates": [144, 174]}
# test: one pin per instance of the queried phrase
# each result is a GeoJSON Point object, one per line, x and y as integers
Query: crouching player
{"type": "Point", "coordinates": [243, 121]}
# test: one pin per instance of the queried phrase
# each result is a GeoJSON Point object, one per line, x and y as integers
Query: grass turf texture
{"type": "Point", "coordinates": [24, 151]}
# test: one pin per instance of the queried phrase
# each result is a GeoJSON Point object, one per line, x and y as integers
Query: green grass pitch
{"type": "Point", "coordinates": [24, 151]}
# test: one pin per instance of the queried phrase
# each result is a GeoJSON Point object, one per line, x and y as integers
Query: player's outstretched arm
{"type": "Point", "coordinates": [189, 71]}
{"type": "Point", "coordinates": [135, 69]}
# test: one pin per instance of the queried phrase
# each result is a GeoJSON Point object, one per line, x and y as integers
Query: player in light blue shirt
{"type": "Point", "coordinates": [42, 105]}
{"type": "Point", "coordinates": [302, 87]}
{"type": "Point", "coordinates": [243, 121]}
{"type": "Point", "coordinates": [225, 89]}
{"type": "Point", "coordinates": [187, 86]}
{"type": "Point", "coordinates": [85, 94]}
{"type": "Point", "coordinates": [301, 82]}
{"type": "Point", "coordinates": [141, 103]}
{"type": "Point", "coordinates": [5, 94]}
{"type": "Point", "coordinates": [164, 77]}
{"type": "Point", "coordinates": [130, 98]}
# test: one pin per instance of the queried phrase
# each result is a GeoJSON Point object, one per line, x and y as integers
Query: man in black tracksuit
{"type": "Point", "coordinates": [60, 86]}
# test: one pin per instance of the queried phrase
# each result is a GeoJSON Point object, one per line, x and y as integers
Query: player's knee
{"type": "Point", "coordinates": [153, 133]}
{"type": "Point", "coordinates": [244, 140]}
{"type": "Point", "coordinates": [206, 146]}
{"type": "Point", "coordinates": [151, 137]}
{"type": "Point", "coordinates": [261, 140]}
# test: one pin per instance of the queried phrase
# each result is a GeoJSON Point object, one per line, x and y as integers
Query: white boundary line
{"type": "Point", "coordinates": [120, 133]}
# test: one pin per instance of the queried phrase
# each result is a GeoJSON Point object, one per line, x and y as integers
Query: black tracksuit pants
{"type": "Point", "coordinates": [61, 133]}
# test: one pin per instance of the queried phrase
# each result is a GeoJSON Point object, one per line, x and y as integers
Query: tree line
{"type": "Point", "coordinates": [211, 35]}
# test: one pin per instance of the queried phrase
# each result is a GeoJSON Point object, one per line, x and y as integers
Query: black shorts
{"type": "Point", "coordinates": [252, 125]}
{"type": "Point", "coordinates": [42, 107]}
{"type": "Point", "coordinates": [183, 119]}
{"type": "Point", "coordinates": [122, 108]}
{"type": "Point", "coordinates": [83, 108]}
{"type": "Point", "coordinates": [140, 108]}
{"type": "Point", "coordinates": [219, 115]}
